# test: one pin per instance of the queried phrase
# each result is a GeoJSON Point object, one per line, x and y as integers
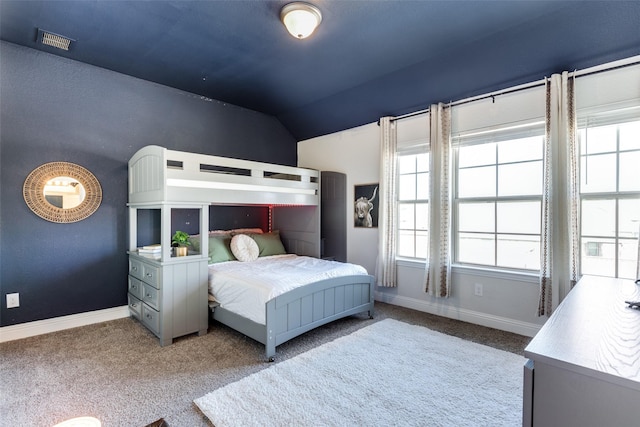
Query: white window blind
{"type": "Point", "coordinates": [498, 134]}
{"type": "Point", "coordinates": [413, 134]}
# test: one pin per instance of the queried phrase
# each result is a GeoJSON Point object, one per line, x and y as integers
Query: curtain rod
{"type": "Point", "coordinates": [634, 60]}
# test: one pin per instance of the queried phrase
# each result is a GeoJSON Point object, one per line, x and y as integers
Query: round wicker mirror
{"type": "Point", "coordinates": [62, 192]}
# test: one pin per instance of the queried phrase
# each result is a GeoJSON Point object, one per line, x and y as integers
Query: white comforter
{"type": "Point", "coordinates": [245, 287]}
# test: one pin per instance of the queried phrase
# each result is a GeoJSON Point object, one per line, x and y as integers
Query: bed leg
{"type": "Point", "coordinates": [270, 351]}
{"type": "Point", "coordinates": [270, 345]}
{"type": "Point", "coordinates": [270, 355]}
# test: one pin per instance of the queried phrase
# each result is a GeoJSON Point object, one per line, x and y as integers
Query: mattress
{"type": "Point", "coordinates": [245, 287]}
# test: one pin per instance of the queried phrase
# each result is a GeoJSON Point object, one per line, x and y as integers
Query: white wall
{"type": "Point", "coordinates": [509, 301]}
{"type": "Point", "coordinates": [354, 152]}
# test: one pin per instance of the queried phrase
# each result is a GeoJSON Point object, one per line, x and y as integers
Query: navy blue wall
{"type": "Point", "coordinates": [55, 109]}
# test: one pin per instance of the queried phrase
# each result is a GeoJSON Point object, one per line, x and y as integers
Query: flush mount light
{"type": "Point", "coordinates": [301, 19]}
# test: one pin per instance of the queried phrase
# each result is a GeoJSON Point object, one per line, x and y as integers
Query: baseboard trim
{"type": "Point", "coordinates": [39, 327]}
{"type": "Point", "coordinates": [496, 322]}
{"type": "Point", "coordinates": [26, 330]}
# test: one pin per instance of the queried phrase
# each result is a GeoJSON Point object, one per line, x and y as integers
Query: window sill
{"type": "Point", "coordinates": [411, 263]}
{"type": "Point", "coordinates": [522, 276]}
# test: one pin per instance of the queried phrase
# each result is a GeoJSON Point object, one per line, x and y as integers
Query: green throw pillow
{"type": "Point", "coordinates": [269, 243]}
{"type": "Point", "coordinates": [220, 249]}
{"type": "Point", "coordinates": [195, 243]}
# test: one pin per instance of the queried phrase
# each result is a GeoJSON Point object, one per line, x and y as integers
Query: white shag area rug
{"type": "Point", "coordinates": [386, 374]}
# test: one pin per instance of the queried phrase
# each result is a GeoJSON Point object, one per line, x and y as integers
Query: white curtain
{"type": "Point", "coordinates": [438, 268]}
{"type": "Point", "coordinates": [386, 263]}
{"type": "Point", "coordinates": [560, 197]}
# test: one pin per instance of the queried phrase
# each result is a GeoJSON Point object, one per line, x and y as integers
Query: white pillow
{"type": "Point", "coordinates": [244, 248]}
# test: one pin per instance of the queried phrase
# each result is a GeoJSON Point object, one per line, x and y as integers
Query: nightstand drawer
{"type": "Point", "coordinates": [135, 306]}
{"type": "Point", "coordinates": [150, 295]}
{"type": "Point", "coordinates": [135, 268]}
{"type": "Point", "coordinates": [135, 287]}
{"type": "Point", "coordinates": [150, 275]}
{"type": "Point", "coordinates": [151, 319]}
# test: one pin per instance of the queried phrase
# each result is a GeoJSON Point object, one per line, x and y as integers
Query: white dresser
{"type": "Point", "coordinates": [584, 364]}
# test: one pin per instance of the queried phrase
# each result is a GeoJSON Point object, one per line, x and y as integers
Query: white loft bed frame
{"type": "Point", "coordinates": [159, 177]}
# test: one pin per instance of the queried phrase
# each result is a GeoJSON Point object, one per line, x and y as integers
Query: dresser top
{"type": "Point", "coordinates": [593, 332]}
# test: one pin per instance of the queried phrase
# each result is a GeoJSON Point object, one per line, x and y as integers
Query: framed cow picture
{"type": "Point", "coordinates": [365, 213]}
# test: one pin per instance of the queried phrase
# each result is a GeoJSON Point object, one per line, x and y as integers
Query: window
{"type": "Point", "coordinates": [498, 199]}
{"type": "Point", "coordinates": [609, 198]}
{"type": "Point", "coordinates": [413, 205]}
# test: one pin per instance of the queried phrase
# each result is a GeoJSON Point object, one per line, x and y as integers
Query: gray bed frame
{"type": "Point", "coordinates": [158, 175]}
{"type": "Point", "coordinates": [302, 309]}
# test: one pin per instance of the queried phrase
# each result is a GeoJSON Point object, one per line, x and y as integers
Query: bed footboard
{"type": "Point", "coordinates": [316, 304]}
{"type": "Point", "coordinates": [303, 309]}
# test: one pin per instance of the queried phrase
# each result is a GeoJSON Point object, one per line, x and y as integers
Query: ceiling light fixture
{"type": "Point", "coordinates": [301, 19]}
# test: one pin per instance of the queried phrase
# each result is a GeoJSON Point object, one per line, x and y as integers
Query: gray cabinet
{"type": "Point", "coordinates": [333, 215]}
{"type": "Point", "coordinates": [166, 293]}
{"type": "Point", "coordinates": [168, 298]}
{"type": "Point", "coordinates": [584, 364]}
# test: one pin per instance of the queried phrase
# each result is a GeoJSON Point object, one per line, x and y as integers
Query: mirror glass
{"type": "Point", "coordinates": [64, 192]}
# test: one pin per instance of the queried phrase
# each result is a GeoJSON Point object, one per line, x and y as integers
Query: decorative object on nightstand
{"type": "Point", "coordinates": [180, 242]}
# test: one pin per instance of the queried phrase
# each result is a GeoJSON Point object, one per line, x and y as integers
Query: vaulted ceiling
{"type": "Point", "coordinates": [367, 59]}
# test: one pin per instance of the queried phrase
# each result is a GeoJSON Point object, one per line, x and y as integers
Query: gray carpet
{"type": "Point", "coordinates": [117, 372]}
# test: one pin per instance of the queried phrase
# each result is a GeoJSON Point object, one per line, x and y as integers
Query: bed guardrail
{"type": "Point", "coordinates": [157, 174]}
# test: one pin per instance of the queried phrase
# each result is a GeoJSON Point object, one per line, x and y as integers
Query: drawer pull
{"type": "Point", "coordinates": [134, 305]}
{"type": "Point", "coordinates": [134, 268]}
{"type": "Point", "coordinates": [148, 295]}
{"type": "Point", "coordinates": [149, 275]}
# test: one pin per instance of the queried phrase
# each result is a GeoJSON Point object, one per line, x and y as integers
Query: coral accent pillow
{"type": "Point", "coordinates": [244, 248]}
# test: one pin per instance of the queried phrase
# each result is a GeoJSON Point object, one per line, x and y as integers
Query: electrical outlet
{"type": "Point", "coordinates": [13, 300]}
{"type": "Point", "coordinates": [478, 289]}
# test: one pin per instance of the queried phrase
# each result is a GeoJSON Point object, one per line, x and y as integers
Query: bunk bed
{"type": "Point", "coordinates": [162, 178]}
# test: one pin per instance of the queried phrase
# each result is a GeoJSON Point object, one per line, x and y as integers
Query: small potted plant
{"type": "Point", "coordinates": [180, 242]}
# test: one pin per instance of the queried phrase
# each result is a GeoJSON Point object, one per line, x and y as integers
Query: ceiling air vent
{"type": "Point", "coordinates": [55, 40]}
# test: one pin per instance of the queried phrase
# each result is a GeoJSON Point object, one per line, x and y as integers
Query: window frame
{"type": "Point", "coordinates": [495, 136]}
{"type": "Point", "coordinates": [413, 202]}
{"type": "Point", "coordinates": [615, 196]}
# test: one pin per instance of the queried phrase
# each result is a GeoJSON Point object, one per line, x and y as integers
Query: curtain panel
{"type": "Point", "coordinates": [438, 266]}
{"type": "Point", "coordinates": [560, 197]}
{"type": "Point", "coordinates": [386, 262]}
